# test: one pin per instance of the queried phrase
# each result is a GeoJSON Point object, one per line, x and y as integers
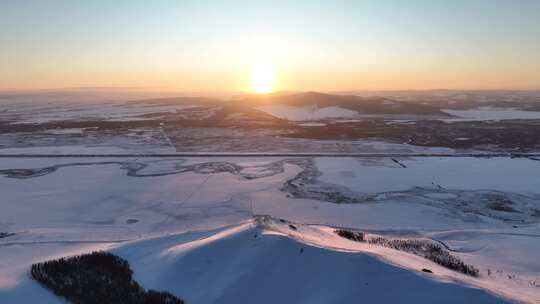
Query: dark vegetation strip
{"type": "Point", "coordinates": [424, 248]}
{"type": "Point", "coordinates": [6, 234]}
{"type": "Point", "coordinates": [96, 278]}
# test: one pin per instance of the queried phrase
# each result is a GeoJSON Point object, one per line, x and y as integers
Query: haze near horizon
{"type": "Point", "coordinates": [267, 46]}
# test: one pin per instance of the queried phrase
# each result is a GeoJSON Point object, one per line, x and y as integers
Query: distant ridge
{"type": "Point", "coordinates": [363, 105]}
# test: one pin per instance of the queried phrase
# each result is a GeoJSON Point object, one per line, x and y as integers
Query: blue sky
{"type": "Point", "coordinates": [326, 45]}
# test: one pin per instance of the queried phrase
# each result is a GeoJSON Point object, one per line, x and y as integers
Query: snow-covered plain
{"type": "Point", "coordinates": [195, 226]}
{"type": "Point", "coordinates": [30, 111]}
{"type": "Point", "coordinates": [488, 113]}
{"type": "Point", "coordinates": [460, 173]}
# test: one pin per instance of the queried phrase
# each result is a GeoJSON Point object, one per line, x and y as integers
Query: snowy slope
{"type": "Point", "coordinates": [248, 264]}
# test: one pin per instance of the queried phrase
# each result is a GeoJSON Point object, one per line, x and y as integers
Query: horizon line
{"type": "Point", "coordinates": [159, 89]}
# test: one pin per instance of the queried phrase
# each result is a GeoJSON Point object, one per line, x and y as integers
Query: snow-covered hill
{"type": "Point", "coordinates": [250, 263]}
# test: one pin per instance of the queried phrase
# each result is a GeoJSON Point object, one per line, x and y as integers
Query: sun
{"type": "Point", "coordinates": [262, 78]}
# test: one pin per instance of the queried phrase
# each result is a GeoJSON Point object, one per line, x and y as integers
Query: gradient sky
{"type": "Point", "coordinates": [312, 45]}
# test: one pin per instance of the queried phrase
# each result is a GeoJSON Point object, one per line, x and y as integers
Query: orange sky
{"type": "Point", "coordinates": [311, 45]}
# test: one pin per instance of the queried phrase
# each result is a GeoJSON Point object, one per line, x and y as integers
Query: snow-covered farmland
{"type": "Point", "coordinates": [30, 111]}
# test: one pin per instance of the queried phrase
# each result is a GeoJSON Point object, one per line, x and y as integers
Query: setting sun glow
{"type": "Point", "coordinates": [262, 78]}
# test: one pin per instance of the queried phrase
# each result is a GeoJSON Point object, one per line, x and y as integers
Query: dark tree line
{"type": "Point", "coordinates": [431, 251]}
{"type": "Point", "coordinates": [351, 235]}
{"type": "Point", "coordinates": [6, 234]}
{"type": "Point", "coordinates": [426, 249]}
{"type": "Point", "coordinates": [96, 278]}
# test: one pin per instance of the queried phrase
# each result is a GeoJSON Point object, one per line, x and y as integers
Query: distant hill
{"type": "Point", "coordinates": [363, 105]}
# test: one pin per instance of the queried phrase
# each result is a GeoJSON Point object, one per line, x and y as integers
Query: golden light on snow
{"type": "Point", "coordinates": [262, 78]}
